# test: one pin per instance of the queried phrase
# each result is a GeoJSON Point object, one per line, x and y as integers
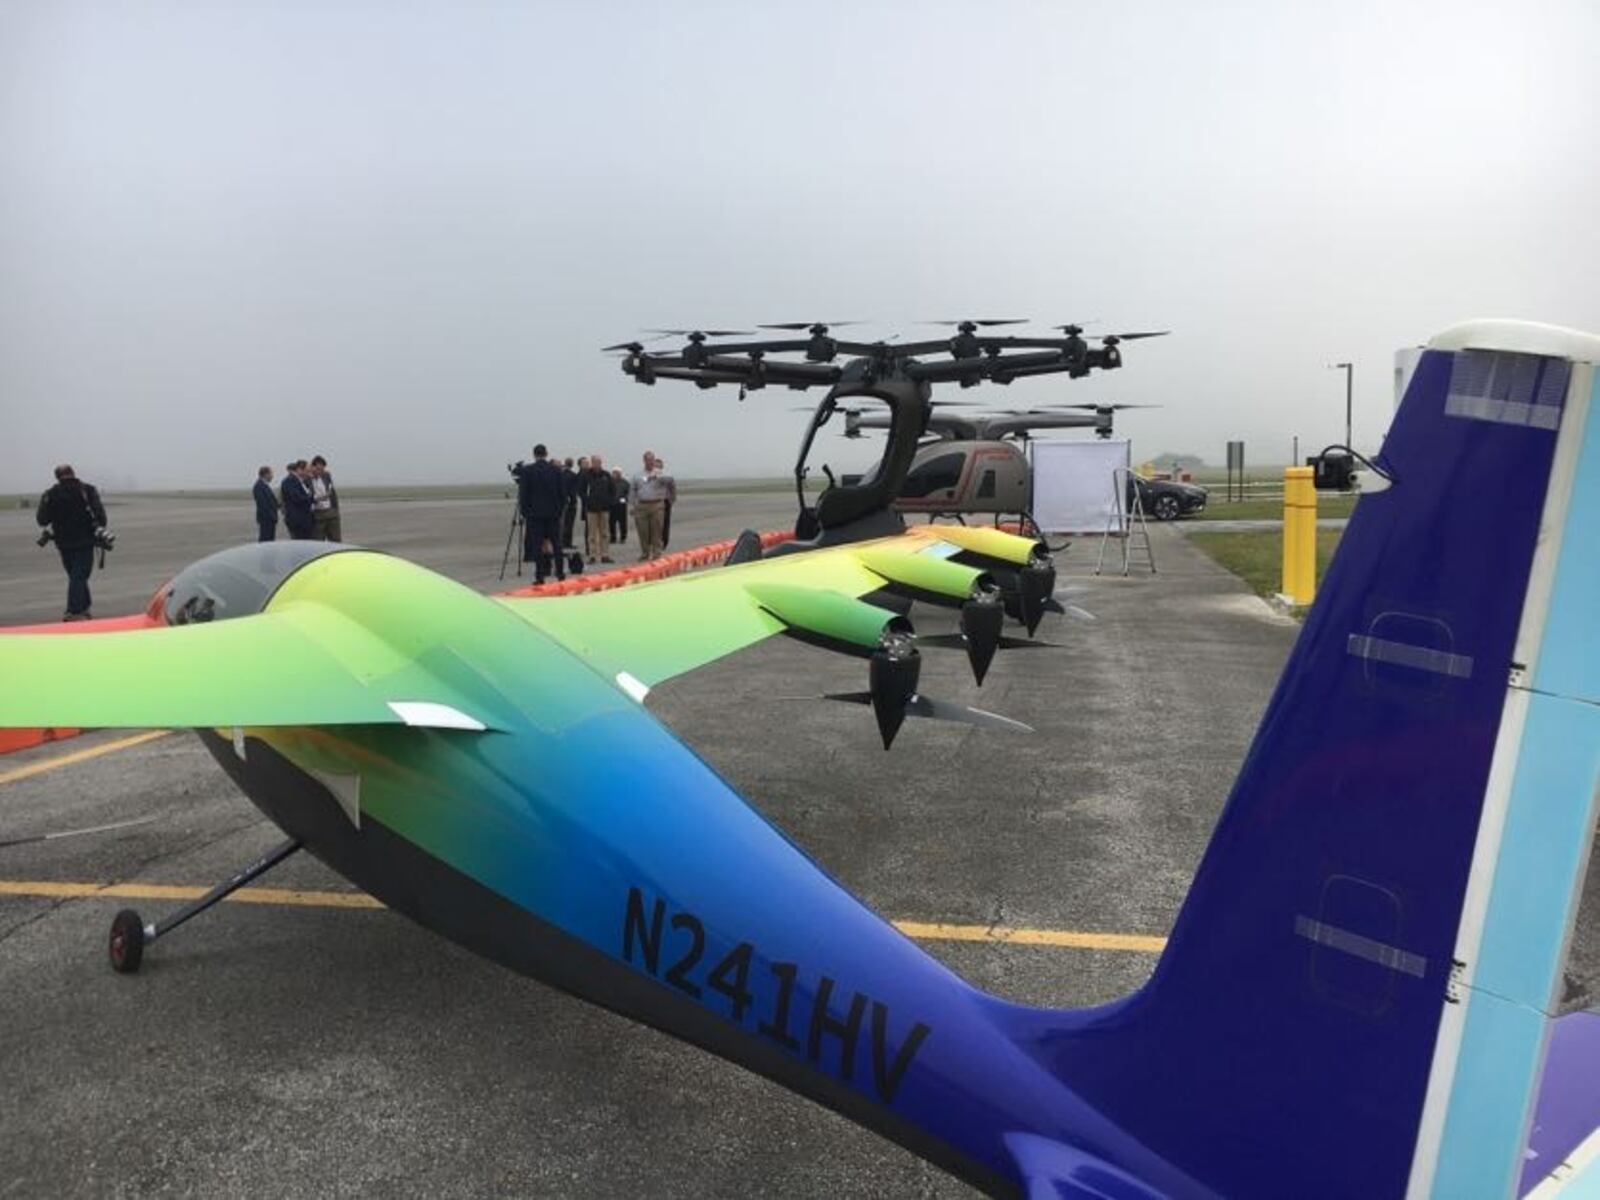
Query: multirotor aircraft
{"type": "Point", "coordinates": [896, 376]}
{"type": "Point", "coordinates": [977, 463]}
{"type": "Point", "coordinates": [1360, 993]}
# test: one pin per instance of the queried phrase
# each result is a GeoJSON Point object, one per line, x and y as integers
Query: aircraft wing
{"type": "Point", "coordinates": [1000, 426]}
{"type": "Point", "coordinates": [945, 424]}
{"type": "Point", "coordinates": [652, 632]}
{"type": "Point", "coordinates": [304, 665]}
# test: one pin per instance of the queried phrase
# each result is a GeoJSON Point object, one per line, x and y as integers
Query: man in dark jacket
{"type": "Point", "coordinates": [569, 515]}
{"type": "Point", "coordinates": [598, 495]}
{"type": "Point", "coordinates": [266, 506]}
{"type": "Point", "coordinates": [619, 508]}
{"type": "Point", "coordinates": [71, 511]}
{"type": "Point", "coordinates": [542, 499]}
{"type": "Point", "coordinates": [297, 502]}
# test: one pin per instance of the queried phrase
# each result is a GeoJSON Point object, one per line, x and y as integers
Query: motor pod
{"type": "Point", "coordinates": [925, 577]}
{"type": "Point", "coordinates": [982, 625]}
{"type": "Point", "coordinates": [892, 682]}
{"type": "Point", "coordinates": [1036, 584]}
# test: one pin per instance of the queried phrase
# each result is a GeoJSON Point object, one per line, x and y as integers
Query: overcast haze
{"type": "Point", "coordinates": [399, 233]}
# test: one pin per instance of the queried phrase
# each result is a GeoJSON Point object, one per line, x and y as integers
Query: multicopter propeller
{"type": "Point", "coordinates": [1094, 408]}
{"type": "Point", "coordinates": [700, 335]}
{"type": "Point", "coordinates": [817, 327]}
{"type": "Point", "coordinates": [973, 324]}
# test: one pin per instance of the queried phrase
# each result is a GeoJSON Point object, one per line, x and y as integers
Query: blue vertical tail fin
{"type": "Point", "coordinates": [1296, 1034]}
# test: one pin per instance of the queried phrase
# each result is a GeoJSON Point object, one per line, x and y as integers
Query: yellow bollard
{"type": "Point", "coordinates": [1299, 535]}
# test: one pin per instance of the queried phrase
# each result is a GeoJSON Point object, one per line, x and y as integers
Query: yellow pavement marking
{"type": "Point", "coordinates": [171, 891]}
{"type": "Point", "coordinates": [78, 756]}
{"type": "Point", "coordinates": [921, 930]}
{"type": "Point", "coordinates": [1072, 938]}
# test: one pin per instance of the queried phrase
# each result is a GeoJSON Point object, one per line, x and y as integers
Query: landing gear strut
{"type": "Point", "coordinates": [130, 934]}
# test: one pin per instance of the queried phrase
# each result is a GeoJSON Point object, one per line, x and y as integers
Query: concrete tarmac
{"type": "Point", "coordinates": [309, 1050]}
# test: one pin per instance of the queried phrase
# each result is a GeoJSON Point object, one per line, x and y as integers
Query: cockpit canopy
{"type": "Point", "coordinates": [237, 582]}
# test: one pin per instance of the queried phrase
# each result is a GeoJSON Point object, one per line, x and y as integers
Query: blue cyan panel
{"type": "Point", "coordinates": [1548, 826]}
{"type": "Point", "coordinates": [1569, 659]}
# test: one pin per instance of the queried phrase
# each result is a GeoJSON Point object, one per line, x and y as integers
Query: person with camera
{"type": "Point", "coordinates": [541, 498]}
{"type": "Point", "coordinates": [72, 515]}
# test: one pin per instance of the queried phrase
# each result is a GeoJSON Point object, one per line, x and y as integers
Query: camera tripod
{"type": "Point", "coordinates": [513, 538]}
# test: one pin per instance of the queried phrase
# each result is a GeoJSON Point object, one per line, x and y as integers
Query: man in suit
{"type": "Point", "coordinates": [542, 500]}
{"type": "Point", "coordinates": [569, 515]}
{"type": "Point", "coordinates": [266, 507]}
{"type": "Point", "coordinates": [619, 508]}
{"type": "Point", "coordinates": [297, 502]}
{"type": "Point", "coordinates": [672, 498]}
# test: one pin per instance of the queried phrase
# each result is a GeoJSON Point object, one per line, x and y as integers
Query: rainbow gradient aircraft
{"type": "Point", "coordinates": [1360, 996]}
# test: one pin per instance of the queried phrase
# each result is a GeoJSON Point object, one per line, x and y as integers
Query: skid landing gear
{"type": "Point", "coordinates": [130, 934]}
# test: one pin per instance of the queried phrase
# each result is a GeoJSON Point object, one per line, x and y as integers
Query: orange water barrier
{"type": "Point", "coordinates": [663, 567]}
{"type": "Point", "coordinates": [25, 739]}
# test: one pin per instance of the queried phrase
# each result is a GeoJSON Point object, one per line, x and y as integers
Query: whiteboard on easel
{"type": "Point", "coordinates": [1072, 484]}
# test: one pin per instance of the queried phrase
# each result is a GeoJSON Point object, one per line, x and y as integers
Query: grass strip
{"type": "Point", "coordinates": [1256, 555]}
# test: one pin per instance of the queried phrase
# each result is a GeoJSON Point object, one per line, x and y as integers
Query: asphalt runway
{"type": "Point", "coordinates": [323, 1047]}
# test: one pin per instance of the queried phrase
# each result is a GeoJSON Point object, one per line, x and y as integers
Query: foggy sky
{"type": "Point", "coordinates": [398, 233]}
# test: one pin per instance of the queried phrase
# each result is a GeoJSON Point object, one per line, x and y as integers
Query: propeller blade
{"type": "Point", "coordinates": [66, 833]}
{"type": "Point", "coordinates": [955, 641]}
{"type": "Point", "coordinates": [942, 710]}
{"type": "Point", "coordinates": [807, 325]}
{"type": "Point", "coordinates": [983, 323]}
{"type": "Point", "coordinates": [1100, 408]}
{"type": "Point", "coordinates": [1054, 605]}
{"type": "Point", "coordinates": [631, 347]}
{"type": "Point", "coordinates": [1133, 337]}
{"type": "Point", "coordinates": [700, 332]}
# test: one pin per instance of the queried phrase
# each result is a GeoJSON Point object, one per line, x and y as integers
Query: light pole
{"type": "Point", "coordinates": [1349, 375]}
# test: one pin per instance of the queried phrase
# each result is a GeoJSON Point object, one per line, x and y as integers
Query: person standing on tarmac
{"type": "Point", "coordinates": [542, 499]}
{"type": "Point", "coordinates": [651, 491]}
{"type": "Point", "coordinates": [598, 496]}
{"type": "Point", "coordinates": [297, 502]}
{"type": "Point", "coordinates": [324, 502]}
{"type": "Point", "coordinates": [266, 507]}
{"type": "Point", "coordinates": [672, 498]}
{"type": "Point", "coordinates": [618, 517]}
{"type": "Point", "coordinates": [72, 514]}
{"type": "Point", "coordinates": [569, 514]}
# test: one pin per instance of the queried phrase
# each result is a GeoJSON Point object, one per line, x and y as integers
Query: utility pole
{"type": "Point", "coordinates": [1349, 376]}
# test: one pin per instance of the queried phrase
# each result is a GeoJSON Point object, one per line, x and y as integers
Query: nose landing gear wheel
{"type": "Point", "coordinates": [126, 947]}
